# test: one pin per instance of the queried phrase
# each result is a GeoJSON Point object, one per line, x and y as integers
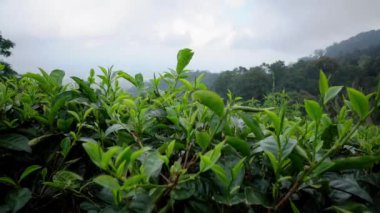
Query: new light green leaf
{"type": "Point", "coordinates": [359, 102]}
{"type": "Point", "coordinates": [323, 83]}
{"type": "Point", "coordinates": [94, 152]}
{"type": "Point", "coordinates": [203, 139]}
{"type": "Point", "coordinates": [29, 170]}
{"type": "Point", "coordinates": [275, 120]}
{"type": "Point", "coordinates": [211, 100]}
{"type": "Point", "coordinates": [183, 59]}
{"type": "Point", "coordinates": [127, 77]}
{"type": "Point", "coordinates": [8, 180]}
{"type": "Point", "coordinates": [313, 109]}
{"type": "Point", "coordinates": [331, 93]}
{"type": "Point", "coordinates": [107, 182]}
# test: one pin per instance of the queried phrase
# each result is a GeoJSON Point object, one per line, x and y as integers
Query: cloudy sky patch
{"type": "Point", "coordinates": [144, 36]}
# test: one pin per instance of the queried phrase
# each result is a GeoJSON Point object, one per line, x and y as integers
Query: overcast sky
{"type": "Point", "coordinates": [145, 35]}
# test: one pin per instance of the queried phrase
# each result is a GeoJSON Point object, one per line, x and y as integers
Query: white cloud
{"type": "Point", "coordinates": [145, 35]}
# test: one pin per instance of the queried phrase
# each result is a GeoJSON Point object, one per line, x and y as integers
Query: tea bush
{"type": "Point", "coordinates": [91, 146]}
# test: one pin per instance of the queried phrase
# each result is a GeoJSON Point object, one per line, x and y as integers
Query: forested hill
{"type": "Point", "coordinates": [354, 62]}
{"type": "Point", "coordinates": [357, 65]}
{"type": "Point", "coordinates": [356, 43]}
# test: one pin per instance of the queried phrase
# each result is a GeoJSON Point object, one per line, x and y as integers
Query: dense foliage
{"type": "Point", "coordinates": [92, 146]}
{"type": "Point", "coordinates": [5, 50]}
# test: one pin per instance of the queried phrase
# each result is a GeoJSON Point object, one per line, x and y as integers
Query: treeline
{"type": "Point", "coordinates": [358, 69]}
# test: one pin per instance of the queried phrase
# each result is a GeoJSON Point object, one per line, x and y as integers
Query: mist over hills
{"type": "Point", "coordinates": [358, 42]}
{"type": "Point", "coordinates": [352, 62]}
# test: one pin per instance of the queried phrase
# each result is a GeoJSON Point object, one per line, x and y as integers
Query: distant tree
{"type": "Point", "coordinates": [5, 50]}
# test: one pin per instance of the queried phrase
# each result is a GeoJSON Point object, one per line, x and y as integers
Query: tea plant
{"type": "Point", "coordinates": [95, 147]}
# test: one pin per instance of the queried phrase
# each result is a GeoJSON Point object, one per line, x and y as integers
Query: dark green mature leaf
{"type": "Point", "coordinates": [183, 59]}
{"type": "Point", "coordinates": [323, 83]}
{"type": "Point", "coordinates": [254, 197]}
{"type": "Point", "coordinates": [287, 145]}
{"type": "Point", "coordinates": [344, 188]}
{"type": "Point", "coordinates": [17, 198]}
{"type": "Point", "coordinates": [359, 102]}
{"type": "Point", "coordinates": [239, 144]}
{"type": "Point", "coordinates": [357, 162]}
{"type": "Point", "coordinates": [15, 142]}
{"type": "Point", "coordinates": [107, 182]}
{"type": "Point", "coordinates": [253, 125]}
{"type": "Point", "coordinates": [59, 101]}
{"type": "Point", "coordinates": [152, 165]}
{"type": "Point", "coordinates": [313, 109]}
{"type": "Point", "coordinates": [349, 207]}
{"type": "Point", "coordinates": [57, 76]}
{"type": "Point", "coordinates": [211, 100]}
{"type": "Point", "coordinates": [114, 128]}
{"type": "Point", "coordinates": [331, 93]}
{"type": "Point", "coordinates": [220, 174]}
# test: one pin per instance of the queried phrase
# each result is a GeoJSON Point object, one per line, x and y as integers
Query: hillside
{"type": "Point", "coordinates": [361, 41]}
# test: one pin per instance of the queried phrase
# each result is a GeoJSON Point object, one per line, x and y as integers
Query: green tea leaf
{"type": "Point", "coordinates": [183, 59]}
{"type": "Point", "coordinates": [221, 174]}
{"type": "Point", "coordinates": [28, 171]}
{"type": "Point", "coordinates": [255, 197]}
{"type": "Point", "coordinates": [211, 100]}
{"type": "Point", "coordinates": [94, 152]}
{"type": "Point", "coordinates": [359, 102]}
{"type": "Point", "coordinates": [65, 146]}
{"type": "Point", "coordinates": [350, 187]}
{"type": "Point", "coordinates": [237, 168]}
{"type": "Point", "coordinates": [114, 128]}
{"type": "Point", "coordinates": [57, 76]}
{"type": "Point", "coordinates": [152, 165]}
{"type": "Point", "coordinates": [127, 77]}
{"type": "Point", "coordinates": [170, 148]}
{"type": "Point", "coordinates": [17, 198]}
{"type": "Point", "coordinates": [275, 120]}
{"type": "Point", "coordinates": [253, 125]}
{"type": "Point", "coordinates": [15, 142]}
{"type": "Point", "coordinates": [313, 109]}
{"type": "Point", "coordinates": [357, 162]}
{"type": "Point", "coordinates": [8, 180]}
{"type": "Point", "coordinates": [187, 84]}
{"type": "Point", "coordinates": [106, 156]}
{"type": "Point", "coordinates": [203, 139]}
{"type": "Point", "coordinates": [331, 93]}
{"type": "Point", "coordinates": [86, 89]}
{"type": "Point", "coordinates": [124, 155]}
{"type": "Point", "coordinates": [323, 83]}
{"type": "Point", "coordinates": [240, 145]}
{"type": "Point", "coordinates": [107, 182]}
